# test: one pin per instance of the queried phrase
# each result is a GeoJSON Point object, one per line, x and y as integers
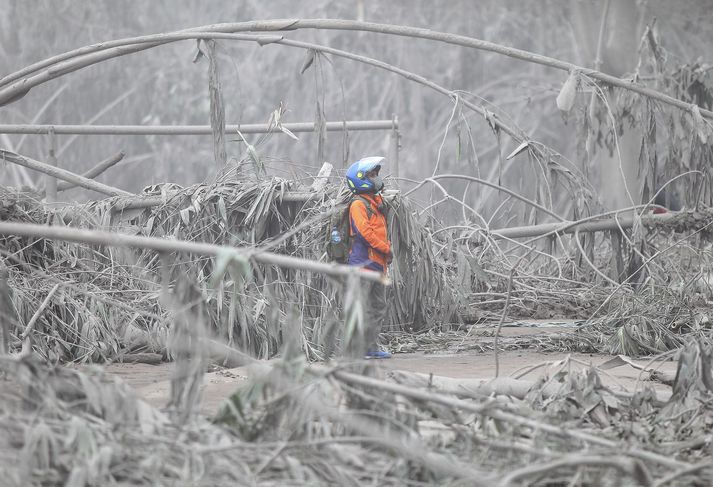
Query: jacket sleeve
{"type": "Point", "coordinates": [368, 229]}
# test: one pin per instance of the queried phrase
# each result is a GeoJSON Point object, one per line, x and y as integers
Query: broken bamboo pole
{"type": "Point", "coordinates": [59, 173]}
{"type": "Point", "coordinates": [95, 171]}
{"type": "Point", "coordinates": [113, 239]}
{"type": "Point", "coordinates": [91, 173]}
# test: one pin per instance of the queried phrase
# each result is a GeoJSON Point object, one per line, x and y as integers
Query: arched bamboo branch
{"type": "Point", "coordinates": [14, 87]}
{"type": "Point", "coordinates": [492, 118]}
{"type": "Point", "coordinates": [80, 62]}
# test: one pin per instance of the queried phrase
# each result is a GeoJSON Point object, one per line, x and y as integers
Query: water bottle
{"type": "Point", "coordinates": [336, 237]}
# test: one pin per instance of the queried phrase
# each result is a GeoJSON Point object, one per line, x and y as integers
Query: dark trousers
{"type": "Point", "coordinates": [375, 305]}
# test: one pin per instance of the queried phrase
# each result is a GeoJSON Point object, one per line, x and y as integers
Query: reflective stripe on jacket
{"type": "Point", "coordinates": [370, 239]}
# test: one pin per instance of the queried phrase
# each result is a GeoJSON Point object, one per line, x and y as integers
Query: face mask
{"type": "Point", "coordinates": [378, 183]}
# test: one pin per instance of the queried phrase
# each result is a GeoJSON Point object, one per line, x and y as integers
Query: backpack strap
{"type": "Point", "coordinates": [369, 211]}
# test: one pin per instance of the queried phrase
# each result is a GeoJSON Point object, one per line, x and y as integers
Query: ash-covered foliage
{"type": "Point", "coordinates": [296, 424]}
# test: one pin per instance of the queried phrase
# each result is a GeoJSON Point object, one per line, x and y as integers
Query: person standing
{"type": "Point", "coordinates": [370, 246]}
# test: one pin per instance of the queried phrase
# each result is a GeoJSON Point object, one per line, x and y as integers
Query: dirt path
{"type": "Point", "coordinates": [152, 382]}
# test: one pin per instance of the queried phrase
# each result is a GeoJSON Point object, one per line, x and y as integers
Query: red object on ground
{"type": "Point", "coordinates": [658, 211]}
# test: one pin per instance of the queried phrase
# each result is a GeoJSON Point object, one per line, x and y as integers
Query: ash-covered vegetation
{"type": "Point", "coordinates": [542, 163]}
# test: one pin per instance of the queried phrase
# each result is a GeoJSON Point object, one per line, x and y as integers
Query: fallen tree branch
{"type": "Point", "coordinates": [673, 219]}
{"type": "Point", "coordinates": [60, 173]}
{"type": "Point", "coordinates": [112, 239]}
{"type": "Point", "coordinates": [474, 388]}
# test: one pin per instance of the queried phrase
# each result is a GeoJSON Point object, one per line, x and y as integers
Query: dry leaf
{"type": "Point", "coordinates": [568, 93]}
{"type": "Point", "coordinates": [308, 60]}
{"type": "Point", "coordinates": [701, 127]}
{"type": "Point", "coordinates": [518, 149]}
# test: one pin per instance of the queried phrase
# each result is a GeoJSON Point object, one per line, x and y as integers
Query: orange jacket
{"type": "Point", "coordinates": [370, 243]}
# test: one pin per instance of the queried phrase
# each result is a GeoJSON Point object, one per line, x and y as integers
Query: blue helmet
{"type": "Point", "coordinates": [356, 175]}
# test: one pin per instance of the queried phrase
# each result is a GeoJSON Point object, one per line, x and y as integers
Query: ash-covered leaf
{"type": "Point", "coordinates": [199, 52]}
{"type": "Point", "coordinates": [525, 144]}
{"type": "Point", "coordinates": [186, 215]}
{"type": "Point", "coordinates": [701, 126]}
{"type": "Point", "coordinates": [308, 60]}
{"type": "Point", "coordinates": [222, 209]}
{"type": "Point", "coordinates": [568, 93]}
